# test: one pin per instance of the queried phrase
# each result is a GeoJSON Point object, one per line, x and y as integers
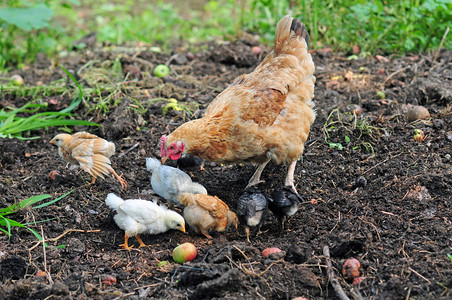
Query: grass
{"type": "Point", "coordinates": [7, 223]}
{"type": "Point", "coordinates": [12, 125]}
{"type": "Point", "coordinates": [348, 131]}
{"type": "Point", "coordinates": [377, 27]}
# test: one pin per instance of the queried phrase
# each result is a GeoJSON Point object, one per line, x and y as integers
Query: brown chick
{"type": "Point", "coordinates": [263, 116]}
{"type": "Point", "coordinates": [206, 213]}
{"type": "Point", "coordinates": [90, 152]}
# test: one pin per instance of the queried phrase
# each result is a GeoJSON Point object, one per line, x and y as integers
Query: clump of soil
{"type": "Point", "coordinates": [370, 190]}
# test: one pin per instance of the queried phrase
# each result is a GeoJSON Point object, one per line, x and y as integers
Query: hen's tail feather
{"type": "Point", "coordinates": [287, 30]}
{"type": "Point", "coordinates": [113, 201]}
{"type": "Point", "coordinates": [300, 30]}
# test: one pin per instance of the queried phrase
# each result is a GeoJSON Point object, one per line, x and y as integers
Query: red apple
{"type": "Point", "coordinates": [269, 251]}
{"type": "Point", "coordinates": [184, 252]}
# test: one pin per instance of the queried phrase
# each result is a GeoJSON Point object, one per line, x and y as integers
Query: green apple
{"type": "Point", "coordinates": [161, 71]}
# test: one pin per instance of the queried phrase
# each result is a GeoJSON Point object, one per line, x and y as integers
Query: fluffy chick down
{"type": "Point", "coordinates": [207, 214]}
{"type": "Point", "coordinates": [137, 216]}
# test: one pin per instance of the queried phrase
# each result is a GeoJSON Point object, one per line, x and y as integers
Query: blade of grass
{"type": "Point", "coordinates": [53, 201]}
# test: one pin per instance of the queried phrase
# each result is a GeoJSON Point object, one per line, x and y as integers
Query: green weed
{"type": "Point", "coordinates": [8, 223]}
{"type": "Point", "coordinates": [350, 130]}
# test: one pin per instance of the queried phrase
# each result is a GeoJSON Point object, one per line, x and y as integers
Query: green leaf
{"type": "Point", "coordinates": [24, 203]}
{"type": "Point", "coordinates": [28, 18]}
{"type": "Point", "coordinates": [347, 139]}
{"type": "Point", "coordinates": [53, 201]}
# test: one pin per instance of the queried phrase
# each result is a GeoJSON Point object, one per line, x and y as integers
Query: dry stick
{"type": "Point", "coordinates": [49, 278]}
{"type": "Point", "coordinates": [334, 282]}
{"type": "Point", "coordinates": [396, 72]}
{"type": "Point", "coordinates": [441, 44]}
{"type": "Point", "coordinates": [63, 234]}
{"type": "Point", "coordinates": [128, 150]}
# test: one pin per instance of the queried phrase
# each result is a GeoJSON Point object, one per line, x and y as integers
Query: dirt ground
{"type": "Point", "coordinates": [370, 190]}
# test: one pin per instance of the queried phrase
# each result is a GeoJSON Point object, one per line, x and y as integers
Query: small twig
{"type": "Point", "coordinates": [128, 150]}
{"type": "Point", "coordinates": [49, 278]}
{"type": "Point", "coordinates": [356, 294]}
{"type": "Point", "coordinates": [409, 268]}
{"type": "Point", "coordinates": [395, 73]}
{"type": "Point", "coordinates": [236, 248]}
{"type": "Point", "coordinates": [334, 281]}
{"type": "Point", "coordinates": [61, 235]}
{"type": "Point", "coordinates": [441, 44]}
{"type": "Point", "coordinates": [147, 286]}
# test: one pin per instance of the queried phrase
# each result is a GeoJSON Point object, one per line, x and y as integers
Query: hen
{"type": "Point", "coordinates": [169, 182]}
{"type": "Point", "coordinates": [265, 115]}
{"type": "Point", "coordinates": [207, 214]}
{"type": "Point", "coordinates": [283, 204]}
{"type": "Point", "coordinates": [252, 209]}
{"type": "Point", "coordinates": [137, 216]}
{"type": "Point", "coordinates": [89, 151]}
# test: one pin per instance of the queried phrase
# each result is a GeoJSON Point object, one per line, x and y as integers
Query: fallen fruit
{"type": "Point", "coordinates": [161, 71]}
{"type": "Point", "coordinates": [417, 113]}
{"type": "Point", "coordinates": [109, 280]}
{"type": "Point", "coordinates": [419, 135]}
{"type": "Point", "coordinates": [17, 80]}
{"type": "Point", "coordinates": [184, 252]}
{"type": "Point", "coordinates": [256, 50]}
{"type": "Point", "coordinates": [350, 269]}
{"type": "Point", "coordinates": [269, 251]}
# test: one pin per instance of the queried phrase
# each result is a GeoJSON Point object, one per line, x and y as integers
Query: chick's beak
{"type": "Point", "coordinates": [52, 141]}
{"type": "Point", "coordinates": [182, 228]}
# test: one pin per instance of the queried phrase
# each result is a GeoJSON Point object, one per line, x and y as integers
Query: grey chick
{"type": "Point", "coordinates": [251, 209]}
{"type": "Point", "coordinates": [283, 204]}
{"type": "Point", "coordinates": [169, 182]}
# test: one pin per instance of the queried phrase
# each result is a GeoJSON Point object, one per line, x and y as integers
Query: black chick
{"type": "Point", "coordinates": [252, 209]}
{"type": "Point", "coordinates": [190, 162]}
{"type": "Point", "coordinates": [284, 203]}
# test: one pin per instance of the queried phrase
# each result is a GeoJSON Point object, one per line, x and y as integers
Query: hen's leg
{"type": "Point", "coordinates": [256, 179]}
{"type": "Point", "coordinates": [289, 177]}
{"type": "Point", "coordinates": [126, 245]}
{"type": "Point", "coordinates": [121, 180]}
{"type": "Point", "coordinates": [140, 241]}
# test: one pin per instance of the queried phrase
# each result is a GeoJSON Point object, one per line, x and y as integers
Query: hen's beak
{"type": "Point", "coordinates": [183, 228]}
{"type": "Point", "coordinates": [52, 141]}
{"type": "Point", "coordinates": [163, 160]}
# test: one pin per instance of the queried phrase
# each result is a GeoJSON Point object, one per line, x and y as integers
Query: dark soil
{"type": "Point", "coordinates": [384, 199]}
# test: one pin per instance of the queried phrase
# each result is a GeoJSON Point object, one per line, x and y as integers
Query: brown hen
{"type": "Point", "coordinates": [265, 115]}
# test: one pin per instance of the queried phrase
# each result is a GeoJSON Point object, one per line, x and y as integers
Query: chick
{"type": "Point", "coordinates": [283, 204]}
{"type": "Point", "coordinates": [90, 152]}
{"type": "Point", "coordinates": [190, 162]}
{"type": "Point", "coordinates": [136, 216]}
{"type": "Point", "coordinates": [169, 182]}
{"type": "Point", "coordinates": [206, 213]}
{"type": "Point", "coordinates": [252, 209]}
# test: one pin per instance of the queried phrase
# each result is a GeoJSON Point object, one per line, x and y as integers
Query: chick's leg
{"type": "Point", "coordinates": [121, 180]}
{"type": "Point", "coordinates": [256, 179]}
{"type": "Point", "coordinates": [289, 178]}
{"type": "Point", "coordinates": [247, 230]}
{"type": "Point", "coordinates": [140, 241]}
{"type": "Point", "coordinates": [126, 245]}
{"type": "Point", "coordinates": [206, 234]}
